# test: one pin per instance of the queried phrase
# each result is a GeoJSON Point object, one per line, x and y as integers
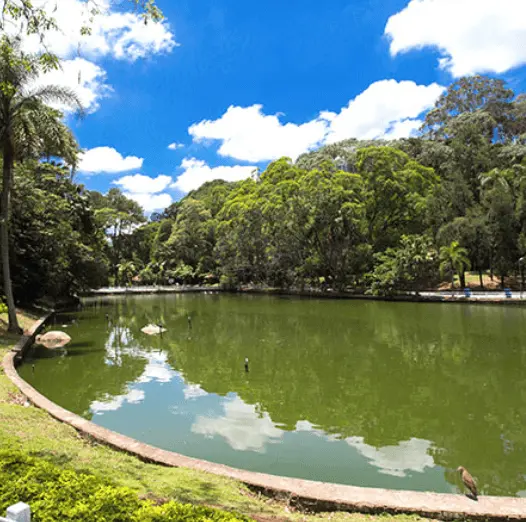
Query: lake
{"type": "Point", "coordinates": [391, 395]}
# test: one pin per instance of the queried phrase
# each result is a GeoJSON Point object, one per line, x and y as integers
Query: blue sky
{"type": "Point", "coordinates": [236, 84]}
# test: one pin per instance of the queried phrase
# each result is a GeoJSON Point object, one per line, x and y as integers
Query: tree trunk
{"type": "Point", "coordinates": [462, 276]}
{"type": "Point", "coordinates": [4, 235]}
{"type": "Point", "coordinates": [481, 280]}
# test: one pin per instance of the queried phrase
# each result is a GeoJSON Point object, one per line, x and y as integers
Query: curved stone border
{"type": "Point", "coordinates": [316, 496]}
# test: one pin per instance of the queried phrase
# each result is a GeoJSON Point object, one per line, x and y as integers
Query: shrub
{"type": "Point", "coordinates": [58, 494]}
{"type": "Point", "coordinates": [3, 307]}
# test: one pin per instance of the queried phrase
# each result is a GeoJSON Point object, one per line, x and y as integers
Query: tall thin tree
{"type": "Point", "coordinates": [28, 128]}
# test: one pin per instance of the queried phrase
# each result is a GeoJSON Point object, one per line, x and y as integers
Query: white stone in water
{"type": "Point", "coordinates": [153, 329]}
{"type": "Point", "coordinates": [53, 339]}
{"type": "Point", "coordinates": [19, 513]}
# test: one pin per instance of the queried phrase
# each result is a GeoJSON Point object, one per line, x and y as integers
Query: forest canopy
{"type": "Point", "coordinates": [377, 216]}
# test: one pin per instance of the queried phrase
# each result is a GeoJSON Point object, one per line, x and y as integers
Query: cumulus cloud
{"type": "Point", "coordinates": [175, 146]}
{"type": "Point", "coordinates": [139, 184]}
{"type": "Point", "coordinates": [243, 428]}
{"type": "Point", "coordinates": [122, 35]}
{"type": "Point", "coordinates": [107, 159]}
{"type": "Point", "coordinates": [83, 77]}
{"type": "Point", "coordinates": [247, 134]}
{"type": "Point", "coordinates": [406, 456]}
{"type": "Point", "coordinates": [146, 191]}
{"type": "Point", "coordinates": [473, 36]}
{"type": "Point", "coordinates": [151, 202]}
{"type": "Point", "coordinates": [196, 172]}
{"type": "Point", "coordinates": [116, 34]}
{"type": "Point", "coordinates": [386, 109]}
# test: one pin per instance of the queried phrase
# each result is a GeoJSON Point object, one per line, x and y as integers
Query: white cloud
{"type": "Point", "coordinates": [107, 159]}
{"type": "Point", "coordinates": [151, 202]}
{"type": "Point", "coordinates": [406, 456]}
{"type": "Point", "coordinates": [386, 109]}
{"type": "Point", "coordinates": [242, 427]}
{"type": "Point", "coordinates": [473, 36]}
{"type": "Point", "coordinates": [196, 172]}
{"type": "Point", "coordinates": [146, 191]}
{"type": "Point", "coordinates": [85, 78]}
{"type": "Point", "coordinates": [139, 184]}
{"type": "Point", "coordinates": [122, 35]}
{"type": "Point", "coordinates": [114, 33]}
{"type": "Point", "coordinates": [175, 146]}
{"type": "Point", "coordinates": [246, 133]}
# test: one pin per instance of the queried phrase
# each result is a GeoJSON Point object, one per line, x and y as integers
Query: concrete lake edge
{"type": "Point", "coordinates": [305, 494]}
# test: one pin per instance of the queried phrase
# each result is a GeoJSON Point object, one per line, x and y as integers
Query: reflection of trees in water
{"type": "Point", "coordinates": [391, 374]}
{"type": "Point", "coordinates": [384, 372]}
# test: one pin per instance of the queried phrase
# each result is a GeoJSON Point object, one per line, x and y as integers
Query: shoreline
{"type": "Point", "coordinates": [488, 297]}
{"type": "Point", "coordinates": [305, 494]}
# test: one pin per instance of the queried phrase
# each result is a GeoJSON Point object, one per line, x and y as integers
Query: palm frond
{"type": "Point", "coordinates": [49, 94]}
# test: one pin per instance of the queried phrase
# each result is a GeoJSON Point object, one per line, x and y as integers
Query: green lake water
{"type": "Point", "coordinates": [393, 395]}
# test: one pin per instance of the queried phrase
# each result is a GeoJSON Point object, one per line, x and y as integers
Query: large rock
{"type": "Point", "coordinates": [53, 339]}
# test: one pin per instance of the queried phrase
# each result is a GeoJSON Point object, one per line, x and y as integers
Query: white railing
{"type": "Point", "coordinates": [18, 513]}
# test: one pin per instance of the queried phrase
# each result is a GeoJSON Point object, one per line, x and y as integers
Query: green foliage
{"type": "Point", "coordinates": [3, 307]}
{"type": "Point", "coordinates": [411, 265]}
{"type": "Point", "coordinates": [454, 258]}
{"type": "Point", "coordinates": [58, 494]}
{"type": "Point", "coordinates": [56, 244]}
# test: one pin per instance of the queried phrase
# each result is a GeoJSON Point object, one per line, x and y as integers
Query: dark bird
{"type": "Point", "coordinates": [468, 481]}
{"type": "Point", "coordinates": [246, 364]}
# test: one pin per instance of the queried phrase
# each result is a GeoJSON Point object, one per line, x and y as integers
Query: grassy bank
{"type": "Point", "coordinates": [32, 431]}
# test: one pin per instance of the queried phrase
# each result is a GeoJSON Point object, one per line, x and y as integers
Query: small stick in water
{"type": "Point", "coordinates": [246, 364]}
{"type": "Point", "coordinates": [189, 322]}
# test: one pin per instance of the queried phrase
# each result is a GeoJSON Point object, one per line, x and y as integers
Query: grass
{"type": "Point", "coordinates": [33, 431]}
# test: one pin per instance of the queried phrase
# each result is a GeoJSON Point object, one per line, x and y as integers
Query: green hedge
{"type": "Point", "coordinates": [58, 494]}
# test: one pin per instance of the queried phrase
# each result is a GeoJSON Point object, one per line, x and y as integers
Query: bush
{"type": "Point", "coordinates": [3, 307]}
{"type": "Point", "coordinates": [58, 494]}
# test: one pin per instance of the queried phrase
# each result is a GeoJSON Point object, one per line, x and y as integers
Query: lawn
{"type": "Point", "coordinates": [34, 432]}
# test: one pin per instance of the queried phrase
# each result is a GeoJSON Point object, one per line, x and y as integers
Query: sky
{"type": "Point", "coordinates": [221, 87]}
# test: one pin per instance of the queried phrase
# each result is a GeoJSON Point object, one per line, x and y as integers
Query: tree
{"type": "Point", "coordinates": [119, 216]}
{"type": "Point", "coordinates": [24, 118]}
{"type": "Point", "coordinates": [454, 258]}
{"type": "Point", "coordinates": [56, 248]}
{"type": "Point", "coordinates": [410, 266]}
{"type": "Point", "coordinates": [467, 95]}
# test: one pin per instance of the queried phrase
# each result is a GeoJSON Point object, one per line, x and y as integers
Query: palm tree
{"type": "Point", "coordinates": [28, 129]}
{"type": "Point", "coordinates": [454, 258]}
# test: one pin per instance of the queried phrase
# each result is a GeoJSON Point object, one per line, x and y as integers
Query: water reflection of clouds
{"type": "Point", "coordinates": [406, 456]}
{"type": "Point", "coordinates": [242, 426]}
{"type": "Point", "coordinates": [156, 369]}
{"type": "Point", "coordinates": [134, 396]}
{"type": "Point", "coordinates": [193, 391]}
{"type": "Point", "coordinates": [397, 460]}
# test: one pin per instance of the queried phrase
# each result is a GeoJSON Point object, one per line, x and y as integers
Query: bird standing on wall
{"type": "Point", "coordinates": [468, 481]}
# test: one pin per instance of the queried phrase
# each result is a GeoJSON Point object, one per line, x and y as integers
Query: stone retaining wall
{"type": "Point", "coordinates": [316, 496]}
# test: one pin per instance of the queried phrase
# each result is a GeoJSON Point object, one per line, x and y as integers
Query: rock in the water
{"type": "Point", "coordinates": [153, 329]}
{"type": "Point", "coordinates": [53, 339]}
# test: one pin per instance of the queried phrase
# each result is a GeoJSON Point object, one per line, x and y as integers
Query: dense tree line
{"type": "Point", "coordinates": [356, 215]}
{"type": "Point", "coordinates": [384, 215]}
